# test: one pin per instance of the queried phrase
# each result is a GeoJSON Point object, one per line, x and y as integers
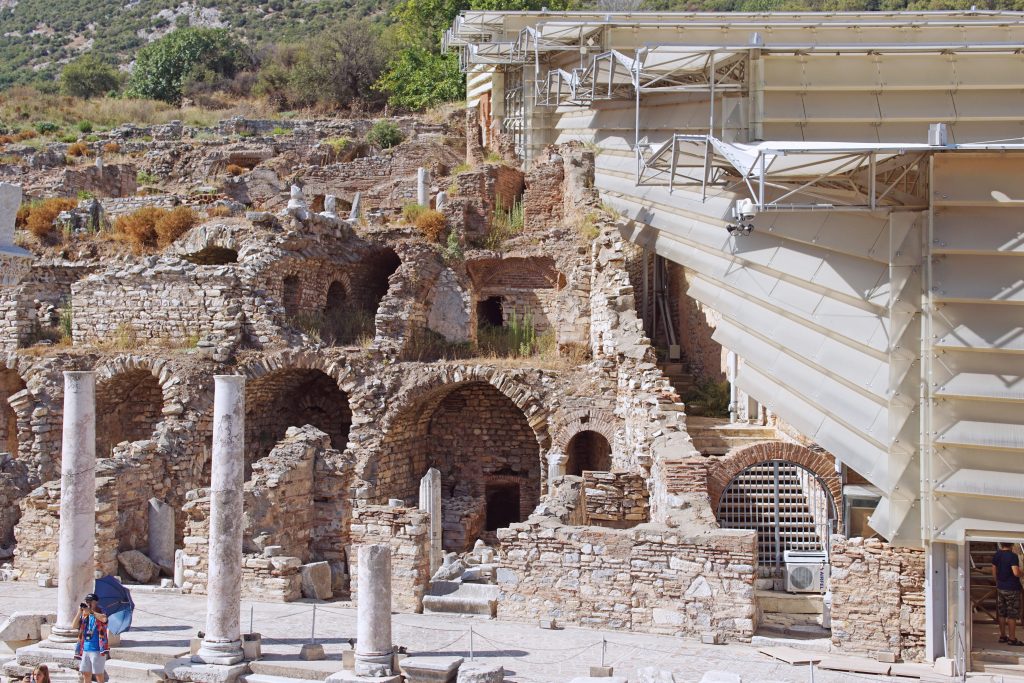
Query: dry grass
{"type": "Point", "coordinates": [39, 217]}
{"type": "Point", "coordinates": [78, 149]}
{"type": "Point", "coordinates": [235, 169]}
{"type": "Point", "coordinates": [111, 148]}
{"type": "Point", "coordinates": [151, 227]}
{"type": "Point", "coordinates": [23, 105]}
{"type": "Point", "coordinates": [218, 211]}
{"type": "Point", "coordinates": [431, 224]}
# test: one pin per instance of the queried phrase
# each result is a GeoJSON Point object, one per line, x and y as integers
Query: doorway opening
{"type": "Point", "coordinates": [502, 501]}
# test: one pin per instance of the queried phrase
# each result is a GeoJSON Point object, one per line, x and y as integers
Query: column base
{"type": "Point", "coordinates": [61, 639]}
{"type": "Point", "coordinates": [375, 664]}
{"type": "Point", "coordinates": [222, 652]}
{"type": "Point", "coordinates": [185, 670]}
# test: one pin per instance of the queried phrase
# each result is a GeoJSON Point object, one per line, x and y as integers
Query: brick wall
{"type": "Point", "coordinates": [877, 597]}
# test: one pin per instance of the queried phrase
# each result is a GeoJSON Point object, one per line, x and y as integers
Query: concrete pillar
{"type": "Point", "coordinates": [223, 641]}
{"type": "Point", "coordinates": [161, 534]}
{"type": "Point", "coordinates": [357, 207]}
{"type": "Point", "coordinates": [557, 461]}
{"type": "Point", "coordinates": [76, 564]}
{"type": "Point", "coordinates": [430, 501]}
{"type": "Point", "coordinates": [422, 178]}
{"type": "Point", "coordinates": [374, 647]}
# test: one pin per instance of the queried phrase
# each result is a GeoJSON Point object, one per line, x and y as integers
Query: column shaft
{"type": "Point", "coordinates": [430, 501]}
{"type": "Point", "coordinates": [374, 646]}
{"type": "Point", "coordinates": [222, 642]}
{"type": "Point", "coordinates": [76, 560]}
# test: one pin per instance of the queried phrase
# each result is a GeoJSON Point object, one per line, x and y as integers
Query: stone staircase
{"type": "Point", "coordinates": [717, 436]}
{"type": "Point", "coordinates": [676, 373]}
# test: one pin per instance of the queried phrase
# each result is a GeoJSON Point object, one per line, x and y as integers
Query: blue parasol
{"type": "Point", "coordinates": [116, 603]}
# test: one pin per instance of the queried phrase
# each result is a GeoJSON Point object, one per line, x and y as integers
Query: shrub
{"type": "Point", "coordinates": [21, 217]}
{"type": "Point", "coordinates": [453, 249]}
{"type": "Point", "coordinates": [505, 224]}
{"type": "Point", "coordinates": [85, 126]}
{"type": "Point", "coordinates": [25, 135]}
{"type": "Point", "coordinates": [78, 149]}
{"type": "Point", "coordinates": [431, 224]}
{"type": "Point", "coordinates": [412, 211]}
{"type": "Point", "coordinates": [218, 211]}
{"type": "Point", "coordinates": [68, 137]}
{"type": "Point", "coordinates": [111, 148]}
{"type": "Point", "coordinates": [139, 227]}
{"type": "Point", "coordinates": [66, 319]}
{"type": "Point", "coordinates": [89, 76]}
{"type": "Point", "coordinates": [384, 134]}
{"type": "Point", "coordinates": [183, 56]}
{"type": "Point", "coordinates": [41, 216]}
{"type": "Point", "coordinates": [46, 127]}
{"type": "Point", "coordinates": [235, 169]}
{"type": "Point", "coordinates": [174, 224]}
{"type": "Point", "coordinates": [418, 79]}
{"type": "Point", "coordinates": [145, 178]}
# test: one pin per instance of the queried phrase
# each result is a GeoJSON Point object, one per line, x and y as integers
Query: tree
{"type": "Point", "coordinates": [89, 76]}
{"type": "Point", "coordinates": [162, 68]}
{"type": "Point", "coordinates": [417, 79]}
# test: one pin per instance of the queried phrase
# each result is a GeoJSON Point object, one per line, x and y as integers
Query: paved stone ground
{"type": "Point", "coordinates": [528, 653]}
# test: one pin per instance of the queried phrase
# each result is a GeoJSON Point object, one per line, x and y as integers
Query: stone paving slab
{"type": "Point", "coordinates": [528, 653]}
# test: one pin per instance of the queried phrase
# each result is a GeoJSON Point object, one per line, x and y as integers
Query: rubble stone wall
{"type": "Point", "coordinates": [648, 579]}
{"type": "Point", "coordinates": [615, 499]}
{"type": "Point", "coordinates": [878, 598]}
{"type": "Point", "coordinates": [406, 531]}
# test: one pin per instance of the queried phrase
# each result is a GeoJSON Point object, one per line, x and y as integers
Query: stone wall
{"type": "Point", "coordinates": [406, 531]}
{"type": "Point", "coordinates": [615, 499]}
{"type": "Point", "coordinates": [479, 193]}
{"type": "Point", "coordinates": [110, 180]}
{"type": "Point", "coordinates": [878, 601]}
{"type": "Point", "coordinates": [649, 578]}
{"type": "Point", "coordinates": [695, 325]}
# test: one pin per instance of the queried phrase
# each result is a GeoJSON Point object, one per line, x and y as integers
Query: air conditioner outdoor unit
{"type": "Point", "coordinates": [806, 571]}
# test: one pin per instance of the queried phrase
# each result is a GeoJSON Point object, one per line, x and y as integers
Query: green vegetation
{"type": "Point", "coordinates": [89, 76]}
{"type": "Point", "coordinates": [518, 338]}
{"type": "Point", "coordinates": [384, 134]}
{"type": "Point", "coordinates": [710, 399]}
{"type": "Point", "coordinates": [195, 57]}
{"type": "Point", "coordinates": [505, 224]}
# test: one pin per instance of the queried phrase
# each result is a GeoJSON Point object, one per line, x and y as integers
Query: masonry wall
{"type": "Point", "coordinates": [615, 499]}
{"type": "Point", "coordinates": [650, 579]}
{"type": "Point", "coordinates": [878, 601]}
{"type": "Point", "coordinates": [405, 530]}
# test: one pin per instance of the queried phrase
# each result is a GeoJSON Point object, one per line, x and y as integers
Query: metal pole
{"type": "Point", "coordinates": [810, 665]}
{"type": "Point", "coordinates": [471, 643]}
{"type": "Point", "coordinates": [312, 626]}
{"type": "Point", "coordinates": [604, 649]}
{"type": "Point", "coordinates": [252, 608]}
{"type": "Point", "coordinates": [778, 536]}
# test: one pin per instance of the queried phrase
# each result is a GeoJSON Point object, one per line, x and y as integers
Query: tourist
{"type": "Point", "coordinates": [1006, 569]}
{"type": "Point", "coordinates": [40, 674]}
{"type": "Point", "coordinates": [92, 647]}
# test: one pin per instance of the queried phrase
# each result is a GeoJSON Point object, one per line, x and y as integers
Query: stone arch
{"type": "Point", "coordinates": [722, 470]}
{"type": "Point", "coordinates": [293, 390]}
{"type": "Point", "coordinates": [600, 421]}
{"type": "Point", "coordinates": [131, 393]}
{"type": "Point", "coordinates": [473, 428]}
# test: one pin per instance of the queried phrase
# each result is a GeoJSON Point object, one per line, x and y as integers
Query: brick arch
{"type": "Point", "coordinates": [722, 470]}
{"type": "Point", "coordinates": [131, 394]}
{"type": "Point", "coordinates": [436, 386]}
{"type": "Point", "coordinates": [339, 371]}
{"type": "Point", "coordinates": [110, 368]}
{"type": "Point", "coordinates": [600, 421]}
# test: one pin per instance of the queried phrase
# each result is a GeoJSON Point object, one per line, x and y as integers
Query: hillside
{"type": "Point", "coordinates": [38, 36]}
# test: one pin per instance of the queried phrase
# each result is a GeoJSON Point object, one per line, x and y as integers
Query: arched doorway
{"type": "Point", "coordinates": [588, 451]}
{"type": "Point", "coordinates": [487, 452]}
{"type": "Point", "coordinates": [292, 397]}
{"type": "Point", "coordinates": [129, 405]}
{"type": "Point", "coordinates": [10, 384]}
{"type": "Point", "coordinates": [790, 507]}
{"type": "Point", "coordinates": [291, 294]}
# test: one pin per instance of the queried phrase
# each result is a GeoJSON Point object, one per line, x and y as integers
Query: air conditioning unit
{"type": "Point", "coordinates": [806, 571]}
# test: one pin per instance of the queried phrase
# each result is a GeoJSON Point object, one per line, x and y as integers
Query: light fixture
{"type": "Point", "coordinates": [743, 212]}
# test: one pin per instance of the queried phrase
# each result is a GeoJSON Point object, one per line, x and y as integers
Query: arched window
{"type": "Point", "coordinates": [588, 451]}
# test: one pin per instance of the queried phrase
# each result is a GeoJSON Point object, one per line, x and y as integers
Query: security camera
{"type": "Point", "coordinates": [740, 229]}
{"type": "Point", "coordinates": [743, 210]}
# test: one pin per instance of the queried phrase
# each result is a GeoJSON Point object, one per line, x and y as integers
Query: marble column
{"type": "Point", "coordinates": [441, 200]}
{"type": "Point", "coordinates": [422, 178]}
{"type": "Point", "coordinates": [76, 564]}
{"type": "Point", "coordinates": [430, 501]}
{"type": "Point", "coordinates": [222, 643]}
{"type": "Point", "coordinates": [557, 461]}
{"type": "Point", "coordinates": [161, 534]}
{"type": "Point", "coordinates": [357, 205]}
{"type": "Point", "coordinates": [374, 647]}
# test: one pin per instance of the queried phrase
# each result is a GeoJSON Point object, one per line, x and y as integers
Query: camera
{"type": "Point", "coordinates": [82, 605]}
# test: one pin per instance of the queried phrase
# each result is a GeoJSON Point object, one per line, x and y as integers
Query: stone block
{"type": "Point", "coordinates": [720, 677]}
{"type": "Point", "coordinates": [312, 652]}
{"type": "Point", "coordinates": [25, 625]}
{"type": "Point", "coordinates": [348, 659]}
{"type": "Point", "coordinates": [885, 656]}
{"type": "Point", "coordinates": [186, 670]}
{"type": "Point", "coordinates": [431, 669]}
{"type": "Point", "coordinates": [161, 534]}
{"type": "Point", "coordinates": [602, 671]}
{"type": "Point", "coordinates": [711, 638]}
{"type": "Point", "coordinates": [316, 581]}
{"type": "Point", "coordinates": [252, 646]}
{"type": "Point", "coordinates": [479, 672]}
{"type": "Point", "coordinates": [139, 567]}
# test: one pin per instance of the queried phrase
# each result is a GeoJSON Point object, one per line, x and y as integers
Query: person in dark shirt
{"type": "Point", "coordinates": [1006, 570]}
